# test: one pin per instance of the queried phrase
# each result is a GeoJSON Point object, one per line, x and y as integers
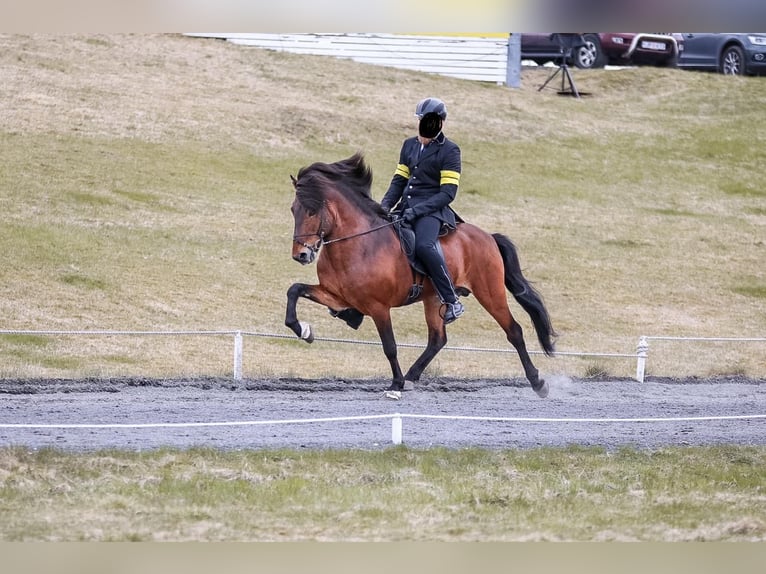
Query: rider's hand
{"type": "Point", "coordinates": [409, 215]}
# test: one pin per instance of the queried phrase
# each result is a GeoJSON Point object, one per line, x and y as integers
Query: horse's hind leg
{"type": "Point", "coordinates": [515, 336]}
{"type": "Point", "coordinates": [497, 306]}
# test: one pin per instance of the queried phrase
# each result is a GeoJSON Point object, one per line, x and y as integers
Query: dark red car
{"type": "Point", "coordinates": [596, 50]}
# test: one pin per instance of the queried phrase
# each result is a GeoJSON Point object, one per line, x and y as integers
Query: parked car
{"type": "Point", "coordinates": [600, 49]}
{"type": "Point", "coordinates": [732, 54]}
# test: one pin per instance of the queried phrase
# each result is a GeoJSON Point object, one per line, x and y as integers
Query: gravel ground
{"type": "Point", "coordinates": [213, 400]}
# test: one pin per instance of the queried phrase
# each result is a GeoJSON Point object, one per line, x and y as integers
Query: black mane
{"type": "Point", "coordinates": [351, 176]}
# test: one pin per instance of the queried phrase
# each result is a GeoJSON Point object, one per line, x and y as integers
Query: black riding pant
{"type": "Point", "coordinates": [426, 249]}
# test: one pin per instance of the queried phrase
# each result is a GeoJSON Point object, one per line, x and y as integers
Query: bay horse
{"type": "Point", "coordinates": [363, 270]}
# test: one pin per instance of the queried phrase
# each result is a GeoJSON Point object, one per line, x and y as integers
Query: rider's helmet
{"type": "Point", "coordinates": [431, 105]}
{"type": "Point", "coordinates": [432, 112]}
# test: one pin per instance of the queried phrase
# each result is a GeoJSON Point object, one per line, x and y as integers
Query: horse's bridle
{"type": "Point", "coordinates": [318, 244]}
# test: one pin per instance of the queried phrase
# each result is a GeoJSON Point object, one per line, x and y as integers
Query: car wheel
{"type": "Point", "coordinates": [590, 54]}
{"type": "Point", "coordinates": [732, 61]}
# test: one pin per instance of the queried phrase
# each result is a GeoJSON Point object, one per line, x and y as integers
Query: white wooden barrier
{"type": "Point", "coordinates": [484, 58]}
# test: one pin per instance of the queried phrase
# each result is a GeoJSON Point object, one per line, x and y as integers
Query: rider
{"type": "Point", "coordinates": [424, 184]}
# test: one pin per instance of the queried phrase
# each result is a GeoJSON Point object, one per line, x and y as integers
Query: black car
{"type": "Point", "coordinates": [727, 53]}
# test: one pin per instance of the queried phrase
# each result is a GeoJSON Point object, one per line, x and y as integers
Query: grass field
{"type": "Point", "coordinates": [145, 186]}
{"type": "Point", "coordinates": [586, 494]}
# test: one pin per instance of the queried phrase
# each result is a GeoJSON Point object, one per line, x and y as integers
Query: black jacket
{"type": "Point", "coordinates": [428, 181]}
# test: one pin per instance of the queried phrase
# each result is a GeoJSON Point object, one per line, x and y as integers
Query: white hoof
{"type": "Point", "coordinates": [394, 395]}
{"type": "Point", "coordinates": [409, 386]}
{"type": "Point", "coordinates": [542, 392]}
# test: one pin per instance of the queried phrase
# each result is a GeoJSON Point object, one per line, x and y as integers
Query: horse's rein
{"type": "Point", "coordinates": [358, 234]}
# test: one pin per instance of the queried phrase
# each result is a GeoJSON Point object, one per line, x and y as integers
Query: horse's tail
{"type": "Point", "coordinates": [526, 295]}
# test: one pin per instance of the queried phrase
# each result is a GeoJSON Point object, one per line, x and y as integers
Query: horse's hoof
{"type": "Point", "coordinates": [408, 386]}
{"type": "Point", "coordinates": [306, 333]}
{"type": "Point", "coordinates": [394, 395]}
{"type": "Point", "coordinates": [542, 391]}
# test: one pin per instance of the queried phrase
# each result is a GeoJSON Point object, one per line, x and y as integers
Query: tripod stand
{"type": "Point", "coordinates": [567, 43]}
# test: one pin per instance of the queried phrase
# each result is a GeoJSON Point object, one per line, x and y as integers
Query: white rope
{"type": "Point", "coordinates": [184, 425]}
{"type": "Point", "coordinates": [722, 339]}
{"type": "Point", "coordinates": [111, 332]}
{"type": "Point", "coordinates": [590, 420]}
{"type": "Point", "coordinates": [373, 417]}
{"type": "Point", "coordinates": [450, 347]}
{"type": "Point", "coordinates": [107, 332]}
{"type": "Point", "coordinates": [292, 336]}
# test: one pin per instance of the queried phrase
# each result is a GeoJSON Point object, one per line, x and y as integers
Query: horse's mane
{"type": "Point", "coordinates": [352, 177]}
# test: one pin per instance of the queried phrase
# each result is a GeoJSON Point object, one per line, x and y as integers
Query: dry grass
{"type": "Point", "coordinates": [145, 186]}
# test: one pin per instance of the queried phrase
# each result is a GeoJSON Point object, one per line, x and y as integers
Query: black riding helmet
{"type": "Point", "coordinates": [432, 113]}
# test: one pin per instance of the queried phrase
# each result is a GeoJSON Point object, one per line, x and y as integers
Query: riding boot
{"type": "Point", "coordinates": [442, 282]}
{"type": "Point", "coordinates": [447, 295]}
{"type": "Point", "coordinates": [428, 251]}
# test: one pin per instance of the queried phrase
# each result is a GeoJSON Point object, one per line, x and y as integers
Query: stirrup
{"type": "Point", "coordinates": [454, 310]}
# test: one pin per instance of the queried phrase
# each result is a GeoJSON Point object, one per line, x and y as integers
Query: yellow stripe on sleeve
{"type": "Point", "coordinates": [448, 176]}
{"type": "Point", "coordinates": [402, 170]}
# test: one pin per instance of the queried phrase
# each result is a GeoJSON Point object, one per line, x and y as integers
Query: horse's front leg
{"type": "Point", "coordinates": [315, 293]}
{"type": "Point", "coordinates": [386, 334]}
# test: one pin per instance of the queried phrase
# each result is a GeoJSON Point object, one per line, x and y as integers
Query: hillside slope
{"type": "Point", "coordinates": [145, 185]}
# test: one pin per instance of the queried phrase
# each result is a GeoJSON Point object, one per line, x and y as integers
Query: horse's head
{"type": "Point", "coordinates": [330, 199]}
{"type": "Point", "coordinates": [309, 231]}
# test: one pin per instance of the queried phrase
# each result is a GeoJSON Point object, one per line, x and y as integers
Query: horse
{"type": "Point", "coordinates": [363, 270]}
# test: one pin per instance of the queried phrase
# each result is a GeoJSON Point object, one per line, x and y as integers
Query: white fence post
{"type": "Point", "coordinates": [642, 352]}
{"type": "Point", "coordinates": [396, 429]}
{"type": "Point", "coordinates": [238, 356]}
{"type": "Point", "coordinates": [513, 65]}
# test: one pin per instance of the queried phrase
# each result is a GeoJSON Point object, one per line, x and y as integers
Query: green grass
{"type": "Point", "coordinates": [755, 291]}
{"type": "Point", "coordinates": [743, 190]}
{"type": "Point", "coordinates": [576, 493]}
{"type": "Point", "coordinates": [20, 341]}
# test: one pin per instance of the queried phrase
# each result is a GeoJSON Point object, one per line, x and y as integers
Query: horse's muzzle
{"type": "Point", "coordinates": [304, 256]}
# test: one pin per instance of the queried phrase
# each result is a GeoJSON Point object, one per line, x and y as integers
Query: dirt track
{"type": "Point", "coordinates": [132, 401]}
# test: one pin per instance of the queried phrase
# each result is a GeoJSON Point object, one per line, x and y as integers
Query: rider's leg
{"type": "Point", "coordinates": [426, 238]}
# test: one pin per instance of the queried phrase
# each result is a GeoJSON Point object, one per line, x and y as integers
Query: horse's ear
{"type": "Point", "coordinates": [295, 181]}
